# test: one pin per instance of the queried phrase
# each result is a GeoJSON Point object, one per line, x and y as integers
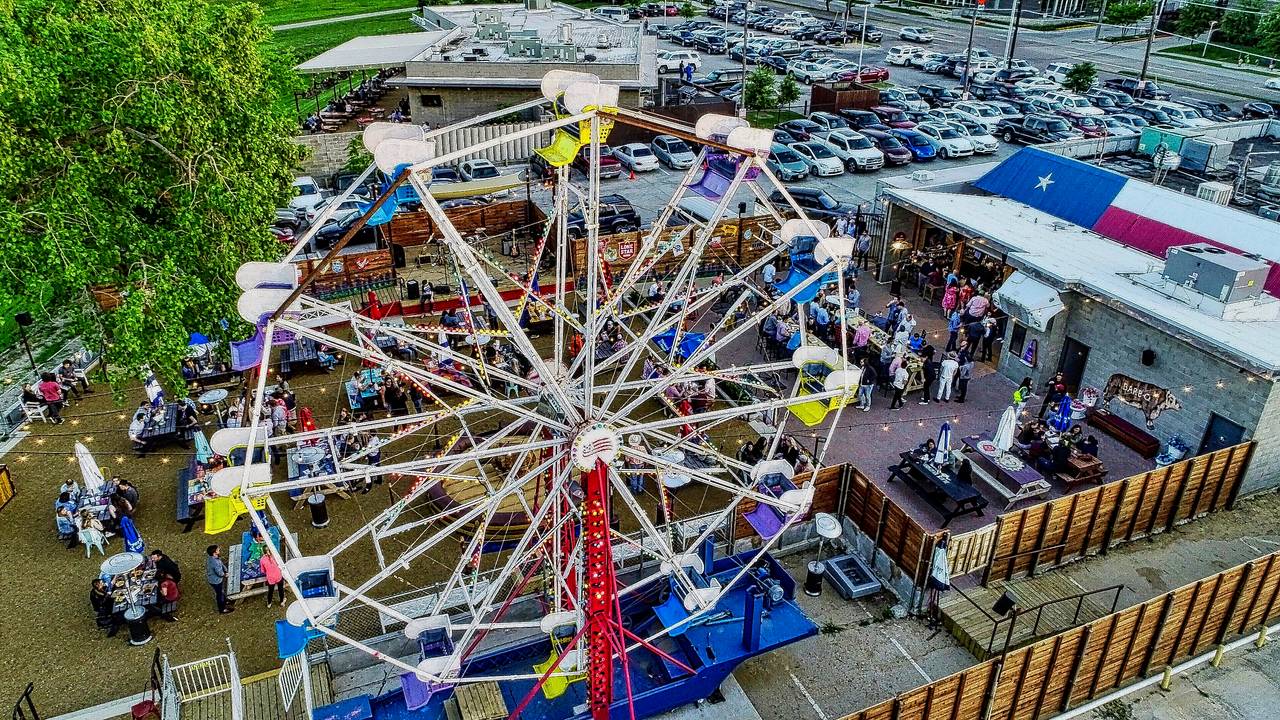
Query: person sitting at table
{"type": "Point", "coordinates": [451, 318]}
{"type": "Point", "coordinates": [1058, 457]}
{"type": "Point", "coordinates": [927, 449]}
{"type": "Point", "coordinates": [71, 488]}
{"type": "Point", "coordinates": [1030, 431]}
{"type": "Point", "coordinates": [328, 361]}
{"type": "Point", "coordinates": [64, 515]}
{"type": "Point", "coordinates": [103, 608]}
{"type": "Point", "coordinates": [964, 473]}
{"type": "Point", "coordinates": [1073, 437]}
{"type": "Point", "coordinates": [188, 421]}
{"type": "Point", "coordinates": [916, 342]}
{"type": "Point", "coordinates": [70, 378]}
{"type": "Point", "coordinates": [1088, 446]}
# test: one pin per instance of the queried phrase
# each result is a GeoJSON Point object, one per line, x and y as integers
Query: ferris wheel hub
{"type": "Point", "coordinates": [595, 442]}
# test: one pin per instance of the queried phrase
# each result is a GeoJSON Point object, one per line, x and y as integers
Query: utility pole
{"type": "Point", "coordinates": [742, 96]}
{"type": "Point", "coordinates": [1146, 54]}
{"type": "Point", "coordinates": [1014, 21]}
{"type": "Point", "coordinates": [862, 40]}
{"type": "Point", "coordinates": [1208, 37]}
{"type": "Point", "coordinates": [968, 53]}
{"type": "Point", "coordinates": [1102, 13]}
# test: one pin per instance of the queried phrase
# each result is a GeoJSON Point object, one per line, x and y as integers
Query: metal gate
{"type": "Point", "coordinates": [292, 678]}
{"type": "Point", "coordinates": [25, 709]}
{"type": "Point", "coordinates": [202, 681]}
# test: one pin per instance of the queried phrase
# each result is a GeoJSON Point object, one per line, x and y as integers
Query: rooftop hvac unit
{"type": "Point", "coordinates": [922, 175]}
{"type": "Point", "coordinates": [1270, 212]}
{"type": "Point", "coordinates": [1214, 192]}
{"type": "Point", "coordinates": [1270, 185]}
{"type": "Point", "coordinates": [1206, 154]}
{"type": "Point", "coordinates": [1225, 276]}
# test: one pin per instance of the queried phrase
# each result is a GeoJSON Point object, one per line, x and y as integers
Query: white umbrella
{"type": "Point", "coordinates": [944, 444]}
{"type": "Point", "coordinates": [89, 470]}
{"type": "Point", "coordinates": [1003, 439]}
{"type": "Point", "coordinates": [940, 570]}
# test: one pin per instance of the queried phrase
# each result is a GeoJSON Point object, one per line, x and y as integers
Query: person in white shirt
{"type": "Point", "coordinates": [767, 273]}
{"type": "Point", "coordinates": [900, 377]}
{"type": "Point", "coordinates": [946, 376]}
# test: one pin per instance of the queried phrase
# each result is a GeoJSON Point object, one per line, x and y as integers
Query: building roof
{"type": "Point", "coordinates": [1074, 257]}
{"type": "Point", "coordinates": [1135, 213]}
{"type": "Point", "coordinates": [606, 40]}
{"type": "Point", "coordinates": [374, 52]}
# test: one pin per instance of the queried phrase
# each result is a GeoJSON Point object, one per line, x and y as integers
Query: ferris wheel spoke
{"type": "Point", "coordinates": [706, 349]}
{"type": "Point", "coordinates": [466, 259]}
{"type": "Point", "coordinates": [662, 550]}
{"type": "Point", "coordinates": [708, 479]}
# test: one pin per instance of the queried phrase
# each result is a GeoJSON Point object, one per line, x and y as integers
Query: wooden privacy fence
{"type": "Point", "coordinates": [409, 229]}
{"type": "Point", "coordinates": [1091, 521]}
{"type": "Point", "coordinates": [890, 528]}
{"type": "Point", "coordinates": [1089, 661]}
{"type": "Point", "coordinates": [971, 551]}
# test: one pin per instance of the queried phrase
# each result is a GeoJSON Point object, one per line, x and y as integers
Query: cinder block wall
{"type": "Point", "coordinates": [326, 154]}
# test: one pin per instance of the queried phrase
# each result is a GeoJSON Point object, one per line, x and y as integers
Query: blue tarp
{"type": "Point", "coordinates": [197, 339]}
{"type": "Point", "coordinates": [1065, 188]}
{"type": "Point", "coordinates": [689, 342]}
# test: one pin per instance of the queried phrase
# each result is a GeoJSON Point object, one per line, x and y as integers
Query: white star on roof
{"type": "Point", "coordinates": [1045, 182]}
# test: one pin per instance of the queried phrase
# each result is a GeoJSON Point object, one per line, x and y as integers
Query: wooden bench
{"type": "Point", "coordinates": [1129, 435]}
{"type": "Point", "coordinates": [186, 513]}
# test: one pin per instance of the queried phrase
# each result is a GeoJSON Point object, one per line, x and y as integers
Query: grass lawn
{"type": "Point", "coordinates": [283, 12]}
{"type": "Point", "coordinates": [769, 118]}
{"type": "Point", "coordinates": [306, 43]}
{"type": "Point", "coordinates": [1228, 54]}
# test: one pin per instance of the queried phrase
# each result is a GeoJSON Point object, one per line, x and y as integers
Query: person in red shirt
{"type": "Point", "coordinates": [51, 392]}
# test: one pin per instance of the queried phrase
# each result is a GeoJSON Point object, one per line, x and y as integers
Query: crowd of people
{"type": "Point", "coordinates": [93, 516]}
{"type": "Point", "coordinates": [54, 390]}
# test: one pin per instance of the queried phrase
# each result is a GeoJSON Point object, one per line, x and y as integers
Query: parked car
{"type": "Point", "coordinates": [984, 143]}
{"type": "Point", "coordinates": [1057, 71]}
{"type": "Point", "coordinates": [671, 60]}
{"type": "Point", "coordinates": [478, 169]}
{"type": "Point", "coordinates": [616, 215]}
{"type": "Point", "coordinates": [916, 34]}
{"type": "Point", "coordinates": [1037, 129]}
{"type": "Point", "coordinates": [800, 128]}
{"type": "Point", "coordinates": [1153, 116]}
{"type": "Point", "coordinates": [339, 225]}
{"type": "Point", "coordinates": [782, 137]}
{"type": "Point", "coordinates": [351, 204]}
{"type": "Point", "coordinates": [936, 95]}
{"type": "Point", "coordinates": [854, 150]}
{"type": "Point", "coordinates": [817, 203]}
{"type": "Point", "coordinates": [712, 44]}
{"type": "Point", "coordinates": [908, 97]}
{"type": "Point", "coordinates": [828, 122]}
{"type": "Point", "coordinates": [895, 153]}
{"type": "Point", "coordinates": [1072, 102]}
{"type": "Point", "coordinates": [1181, 115]}
{"type": "Point", "coordinates": [946, 140]}
{"type": "Point", "coordinates": [722, 77]}
{"type": "Point", "coordinates": [1133, 121]}
{"type": "Point", "coordinates": [1211, 109]}
{"type": "Point", "coordinates": [636, 157]}
{"type": "Point", "coordinates": [870, 33]}
{"type": "Point", "coordinates": [672, 151]}
{"type": "Point", "coordinates": [1005, 76]}
{"type": "Point", "coordinates": [921, 149]}
{"type": "Point", "coordinates": [786, 163]}
{"type": "Point", "coordinates": [809, 72]}
{"type": "Point", "coordinates": [986, 91]}
{"type": "Point", "coordinates": [1008, 111]}
{"type": "Point", "coordinates": [445, 174]}
{"type": "Point", "coordinates": [1150, 90]}
{"type": "Point", "coordinates": [821, 161]}
{"type": "Point", "coordinates": [872, 74]}
{"type": "Point", "coordinates": [306, 195]}
{"type": "Point", "coordinates": [1104, 102]}
{"type": "Point", "coordinates": [1036, 83]}
{"type": "Point", "coordinates": [863, 120]}
{"type": "Point", "coordinates": [1117, 128]}
{"type": "Point", "coordinates": [923, 59]}
{"type": "Point", "coordinates": [893, 117]}
{"type": "Point", "coordinates": [609, 165]}
{"type": "Point", "coordinates": [900, 54]}
{"type": "Point", "coordinates": [1259, 110]}
{"type": "Point", "coordinates": [982, 113]}
{"type": "Point", "coordinates": [1090, 126]}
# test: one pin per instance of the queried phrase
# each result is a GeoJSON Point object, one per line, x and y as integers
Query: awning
{"type": "Point", "coordinates": [374, 52]}
{"type": "Point", "coordinates": [1028, 300]}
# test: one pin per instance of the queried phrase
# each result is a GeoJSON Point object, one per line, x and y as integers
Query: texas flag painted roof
{"type": "Point", "coordinates": [1138, 214]}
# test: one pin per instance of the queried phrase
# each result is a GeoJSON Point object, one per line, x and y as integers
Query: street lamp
{"type": "Point", "coordinates": [1208, 36]}
{"type": "Point", "coordinates": [968, 53]}
{"type": "Point", "coordinates": [746, 18]}
{"type": "Point", "coordinates": [862, 41]}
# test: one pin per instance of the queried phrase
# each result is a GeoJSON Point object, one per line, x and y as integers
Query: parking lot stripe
{"type": "Point", "coordinates": [910, 659]}
{"type": "Point", "coordinates": [812, 703]}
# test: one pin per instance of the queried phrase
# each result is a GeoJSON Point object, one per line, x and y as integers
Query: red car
{"type": "Point", "coordinates": [609, 165]}
{"type": "Point", "coordinates": [1090, 127]}
{"type": "Point", "coordinates": [673, 10]}
{"type": "Point", "coordinates": [873, 74]}
{"type": "Point", "coordinates": [893, 117]}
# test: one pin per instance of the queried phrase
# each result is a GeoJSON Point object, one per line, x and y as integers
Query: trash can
{"type": "Point", "coordinates": [139, 629]}
{"type": "Point", "coordinates": [813, 580]}
{"type": "Point", "coordinates": [319, 510]}
{"type": "Point", "coordinates": [411, 291]}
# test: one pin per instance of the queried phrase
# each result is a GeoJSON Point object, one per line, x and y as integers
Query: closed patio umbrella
{"type": "Point", "coordinates": [944, 444]}
{"type": "Point", "coordinates": [89, 470]}
{"type": "Point", "coordinates": [1003, 439]}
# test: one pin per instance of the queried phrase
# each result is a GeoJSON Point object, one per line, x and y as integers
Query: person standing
{"type": "Point", "coordinates": [990, 331]}
{"type": "Point", "coordinates": [1021, 395]}
{"type": "Point", "coordinates": [864, 250]}
{"type": "Point", "coordinates": [866, 385]}
{"type": "Point", "coordinates": [1055, 388]}
{"type": "Point", "coordinates": [947, 375]}
{"type": "Point", "coordinates": [215, 573]}
{"type": "Point", "coordinates": [931, 369]}
{"type": "Point", "coordinates": [963, 375]}
{"type": "Point", "coordinates": [51, 392]}
{"type": "Point", "coordinates": [953, 330]}
{"type": "Point", "coordinates": [275, 578]}
{"type": "Point", "coordinates": [899, 386]}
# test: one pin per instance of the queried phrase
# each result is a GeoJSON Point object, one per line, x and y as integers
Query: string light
{"type": "Point", "coordinates": [75, 421]}
{"type": "Point", "coordinates": [40, 441]}
{"type": "Point", "coordinates": [884, 428]}
{"type": "Point", "coordinates": [1186, 389]}
{"type": "Point", "coordinates": [119, 459]}
{"type": "Point", "coordinates": [23, 458]}
{"type": "Point", "coordinates": [88, 438]}
{"type": "Point", "coordinates": [164, 460]}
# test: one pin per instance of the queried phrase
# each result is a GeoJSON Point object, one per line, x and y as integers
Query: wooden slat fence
{"type": "Point", "coordinates": [1091, 521]}
{"type": "Point", "coordinates": [971, 551]}
{"type": "Point", "coordinates": [1086, 662]}
{"type": "Point", "coordinates": [503, 216]}
{"type": "Point", "coordinates": [890, 528]}
{"type": "Point", "coordinates": [727, 250]}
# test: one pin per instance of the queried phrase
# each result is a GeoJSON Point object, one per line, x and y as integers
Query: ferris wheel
{"type": "Point", "coordinates": [571, 586]}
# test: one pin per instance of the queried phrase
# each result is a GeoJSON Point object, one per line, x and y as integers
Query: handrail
{"type": "Point", "coordinates": [1012, 619]}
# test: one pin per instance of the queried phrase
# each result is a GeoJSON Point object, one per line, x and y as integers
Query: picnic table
{"type": "Point", "coordinates": [367, 398]}
{"type": "Point", "coordinates": [317, 459]}
{"type": "Point", "coordinates": [190, 497]}
{"type": "Point", "coordinates": [879, 339]}
{"type": "Point", "coordinates": [300, 351]}
{"type": "Point", "coordinates": [161, 427]}
{"type": "Point", "coordinates": [1006, 473]}
{"type": "Point", "coordinates": [1082, 469]}
{"type": "Point", "coordinates": [938, 486]}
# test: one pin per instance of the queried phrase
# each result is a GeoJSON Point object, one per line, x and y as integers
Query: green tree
{"type": "Point", "coordinates": [1195, 18]}
{"type": "Point", "coordinates": [140, 151]}
{"type": "Point", "coordinates": [687, 12]}
{"type": "Point", "coordinates": [759, 91]}
{"type": "Point", "coordinates": [1128, 12]}
{"type": "Point", "coordinates": [788, 91]}
{"type": "Point", "coordinates": [1081, 77]}
{"type": "Point", "coordinates": [1269, 31]}
{"type": "Point", "coordinates": [1240, 24]}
